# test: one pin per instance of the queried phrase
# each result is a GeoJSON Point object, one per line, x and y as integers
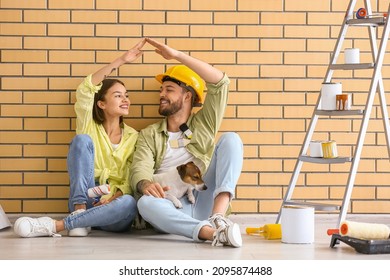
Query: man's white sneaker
{"type": "Point", "coordinates": [79, 232]}
{"type": "Point", "coordinates": [218, 220]}
{"type": "Point", "coordinates": [228, 236]}
{"type": "Point", "coordinates": [30, 227]}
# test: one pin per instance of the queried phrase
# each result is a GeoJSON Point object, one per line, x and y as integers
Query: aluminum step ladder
{"type": "Point", "coordinates": [376, 85]}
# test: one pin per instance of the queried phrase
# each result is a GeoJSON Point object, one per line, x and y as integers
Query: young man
{"type": "Point", "coordinates": [167, 144]}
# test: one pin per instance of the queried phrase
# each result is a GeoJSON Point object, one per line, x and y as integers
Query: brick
{"type": "Point", "coordinates": [58, 192]}
{"type": "Point", "coordinates": [51, 69]}
{"type": "Point", "coordinates": [23, 56]}
{"type": "Point", "coordinates": [326, 18]}
{"type": "Point", "coordinates": [70, 29]}
{"type": "Point", "coordinates": [282, 125]}
{"type": "Point", "coordinates": [259, 193]}
{"type": "Point", "coordinates": [198, 44]}
{"type": "Point", "coordinates": [357, 193]}
{"type": "Point", "coordinates": [24, 4]}
{"type": "Point", "coordinates": [260, 85]}
{"type": "Point", "coordinates": [23, 110]}
{"type": "Point", "coordinates": [42, 43]}
{"type": "Point", "coordinates": [11, 178]}
{"type": "Point", "coordinates": [11, 206]}
{"type": "Point", "coordinates": [61, 137]}
{"type": "Point", "coordinates": [306, 31]}
{"type": "Point", "coordinates": [119, 5]}
{"type": "Point", "coordinates": [244, 206]}
{"type": "Point", "coordinates": [274, 71]}
{"type": "Point", "coordinates": [45, 124]}
{"type": "Point", "coordinates": [9, 42]}
{"type": "Point", "coordinates": [90, 17]}
{"type": "Point", "coordinates": [234, 44]}
{"type": "Point", "coordinates": [239, 125]}
{"type": "Point", "coordinates": [23, 137]}
{"type": "Point", "coordinates": [11, 69]}
{"type": "Point", "coordinates": [302, 5]}
{"type": "Point", "coordinates": [11, 15]}
{"type": "Point", "coordinates": [243, 98]}
{"type": "Point", "coordinates": [45, 97]}
{"type": "Point", "coordinates": [10, 150]}
{"type": "Point", "coordinates": [45, 206]}
{"type": "Point", "coordinates": [189, 17]}
{"type": "Point", "coordinates": [71, 4]}
{"type": "Point", "coordinates": [94, 43]}
{"type": "Point", "coordinates": [212, 31]}
{"type": "Point", "coordinates": [144, 17]}
{"type": "Point", "coordinates": [10, 124]}
{"type": "Point", "coordinates": [248, 179]}
{"type": "Point", "coordinates": [236, 18]}
{"type": "Point", "coordinates": [72, 56]}
{"type": "Point", "coordinates": [212, 5]}
{"type": "Point", "coordinates": [216, 57]}
{"type": "Point", "coordinates": [10, 97]}
{"type": "Point", "coordinates": [56, 111]}
{"type": "Point", "coordinates": [167, 30]}
{"type": "Point", "coordinates": [259, 112]}
{"type": "Point", "coordinates": [269, 206]}
{"type": "Point", "coordinates": [57, 165]}
{"type": "Point", "coordinates": [282, 18]}
{"type": "Point", "coordinates": [256, 31]}
{"type": "Point", "coordinates": [43, 15]}
{"type": "Point", "coordinates": [22, 164]}
{"type": "Point", "coordinates": [376, 207]}
{"type": "Point", "coordinates": [44, 178]}
{"type": "Point", "coordinates": [283, 45]}
{"type": "Point", "coordinates": [115, 30]}
{"type": "Point", "coordinates": [262, 165]}
{"type": "Point", "coordinates": [23, 192]}
{"type": "Point", "coordinates": [23, 29]}
{"type": "Point", "coordinates": [259, 58]}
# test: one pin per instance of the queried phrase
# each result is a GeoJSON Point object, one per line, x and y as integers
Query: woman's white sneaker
{"type": "Point", "coordinates": [35, 227]}
{"type": "Point", "coordinates": [79, 232]}
{"type": "Point", "coordinates": [229, 235]}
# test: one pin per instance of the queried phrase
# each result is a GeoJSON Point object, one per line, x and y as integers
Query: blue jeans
{"type": "Point", "coordinates": [115, 216]}
{"type": "Point", "coordinates": [221, 176]}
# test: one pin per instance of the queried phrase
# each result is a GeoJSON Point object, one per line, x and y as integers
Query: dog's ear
{"type": "Point", "coordinates": [182, 170]}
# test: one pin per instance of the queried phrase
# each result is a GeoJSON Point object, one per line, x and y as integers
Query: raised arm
{"type": "Point", "coordinates": [129, 56]}
{"type": "Point", "coordinates": [204, 70]}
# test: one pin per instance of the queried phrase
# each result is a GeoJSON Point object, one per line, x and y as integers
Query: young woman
{"type": "Point", "coordinates": [99, 155]}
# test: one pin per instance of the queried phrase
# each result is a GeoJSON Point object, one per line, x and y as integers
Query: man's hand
{"type": "Point", "coordinates": [163, 50]}
{"type": "Point", "coordinates": [153, 189]}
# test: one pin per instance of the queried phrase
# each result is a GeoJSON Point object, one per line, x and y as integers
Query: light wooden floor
{"type": "Point", "coordinates": [148, 245]}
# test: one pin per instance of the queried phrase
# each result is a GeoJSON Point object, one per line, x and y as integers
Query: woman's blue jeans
{"type": "Point", "coordinates": [221, 176]}
{"type": "Point", "coordinates": [115, 216]}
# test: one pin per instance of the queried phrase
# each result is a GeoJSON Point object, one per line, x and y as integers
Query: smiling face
{"type": "Point", "coordinates": [172, 97]}
{"type": "Point", "coordinates": [112, 101]}
{"type": "Point", "coordinates": [116, 102]}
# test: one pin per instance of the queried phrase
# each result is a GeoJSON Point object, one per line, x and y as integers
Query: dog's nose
{"type": "Point", "coordinates": [204, 188]}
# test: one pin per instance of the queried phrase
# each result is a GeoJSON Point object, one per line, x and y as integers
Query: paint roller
{"type": "Point", "coordinates": [368, 231]}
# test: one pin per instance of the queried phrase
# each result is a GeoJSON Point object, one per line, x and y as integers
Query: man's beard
{"type": "Point", "coordinates": [171, 109]}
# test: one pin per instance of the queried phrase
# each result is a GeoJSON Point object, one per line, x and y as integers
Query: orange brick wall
{"type": "Point", "coordinates": [275, 52]}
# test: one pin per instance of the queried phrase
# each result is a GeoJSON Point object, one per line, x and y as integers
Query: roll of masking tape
{"type": "Point", "coordinates": [351, 56]}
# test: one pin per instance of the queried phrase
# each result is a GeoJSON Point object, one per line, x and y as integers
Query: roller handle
{"type": "Point", "coordinates": [254, 230]}
{"type": "Point", "coordinates": [361, 13]}
{"type": "Point", "coordinates": [332, 231]}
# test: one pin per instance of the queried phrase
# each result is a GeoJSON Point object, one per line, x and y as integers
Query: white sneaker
{"type": "Point", "coordinates": [79, 232]}
{"type": "Point", "coordinates": [228, 235]}
{"type": "Point", "coordinates": [219, 220]}
{"type": "Point", "coordinates": [30, 227]}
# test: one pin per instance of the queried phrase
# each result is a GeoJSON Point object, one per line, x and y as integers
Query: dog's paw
{"type": "Point", "coordinates": [178, 204]}
{"type": "Point", "coordinates": [191, 200]}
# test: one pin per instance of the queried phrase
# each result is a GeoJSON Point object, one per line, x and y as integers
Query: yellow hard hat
{"type": "Point", "coordinates": [188, 77]}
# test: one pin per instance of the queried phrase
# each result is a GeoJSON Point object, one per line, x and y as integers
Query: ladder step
{"type": "Point", "coordinates": [355, 66]}
{"type": "Point", "coordinates": [325, 160]}
{"type": "Point", "coordinates": [372, 21]}
{"type": "Point", "coordinates": [339, 112]}
{"type": "Point", "coordinates": [315, 205]}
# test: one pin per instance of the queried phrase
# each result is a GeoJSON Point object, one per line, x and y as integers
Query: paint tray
{"type": "Point", "coordinates": [379, 246]}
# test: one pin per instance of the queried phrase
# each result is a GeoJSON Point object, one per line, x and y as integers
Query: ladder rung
{"type": "Point", "coordinates": [316, 206]}
{"type": "Point", "coordinates": [325, 160]}
{"type": "Point", "coordinates": [339, 112]}
{"type": "Point", "coordinates": [373, 21]}
{"type": "Point", "coordinates": [356, 66]}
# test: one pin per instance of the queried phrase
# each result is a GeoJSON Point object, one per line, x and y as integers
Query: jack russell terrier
{"type": "Point", "coordinates": [182, 180]}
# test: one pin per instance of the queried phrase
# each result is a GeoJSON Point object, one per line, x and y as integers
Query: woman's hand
{"type": "Point", "coordinates": [103, 201]}
{"type": "Point", "coordinates": [153, 189]}
{"type": "Point", "coordinates": [133, 53]}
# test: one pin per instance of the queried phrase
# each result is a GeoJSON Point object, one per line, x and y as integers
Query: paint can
{"type": "Point", "coordinates": [328, 95]}
{"type": "Point", "coordinates": [297, 224]}
{"type": "Point", "coordinates": [343, 102]}
{"type": "Point", "coordinates": [329, 149]}
{"type": "Point", "coordinates": [315, 148]}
